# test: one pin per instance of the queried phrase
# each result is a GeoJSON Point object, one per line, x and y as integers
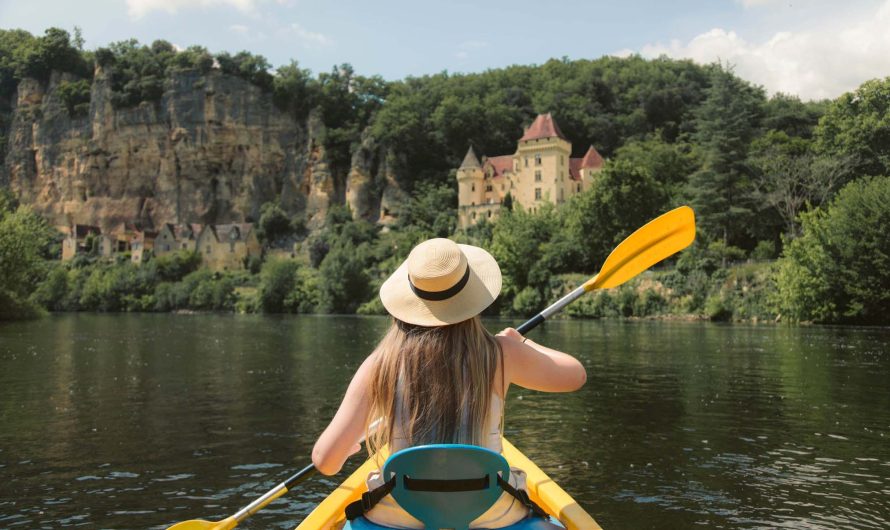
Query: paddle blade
{"type": "Point", "coordinates": [658, 239]}
{"type": "Point", "coordinates": [197, 524]}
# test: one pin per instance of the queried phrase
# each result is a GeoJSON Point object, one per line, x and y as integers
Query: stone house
{"type": "Point", "coordinates": [141, 241]}
{"type": "Point", "coordinates": [541, 170]}
{"type": "Point", "coordinates": [175, 237]}
{"type": "Point", "coordinates": [227, 246]}
{"type": "Point", "coordinates": [75, 241]}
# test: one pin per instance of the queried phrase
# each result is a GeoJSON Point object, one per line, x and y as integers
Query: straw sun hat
{"type": "Point", "coordinates": [442, 283]}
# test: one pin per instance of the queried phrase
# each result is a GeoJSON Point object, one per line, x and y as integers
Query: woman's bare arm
{"type": "Point", "coordinates": [343, 435]}
{"type": "Point", "coordinates": [536, 367]}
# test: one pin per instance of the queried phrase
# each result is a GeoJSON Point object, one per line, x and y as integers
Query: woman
{"type": "Point", "coordinates": [438, 376]}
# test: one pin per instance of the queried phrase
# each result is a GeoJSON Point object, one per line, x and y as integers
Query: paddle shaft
{"type": "Point", "coordinates": [275, 492]}
{"type": "Point", "coordinates": [285, 486]}
{"type": "Point", "coordinates": [551, 310]}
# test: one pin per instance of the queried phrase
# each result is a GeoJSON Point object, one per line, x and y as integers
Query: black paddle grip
{"type": "Point", "coordinates": [301, 475]}
{"type": "Point", "coordinates": [530, 324]}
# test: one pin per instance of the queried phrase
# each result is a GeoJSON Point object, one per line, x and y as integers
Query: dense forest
{"type": "Point", "coordinates": [792, 197]}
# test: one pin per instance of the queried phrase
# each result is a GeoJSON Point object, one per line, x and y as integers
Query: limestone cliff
{"type": "Point", "coordinates": [213, 149]}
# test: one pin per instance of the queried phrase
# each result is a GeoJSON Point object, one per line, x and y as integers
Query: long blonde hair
{"type": "Point", "coordinates": [438, 380]}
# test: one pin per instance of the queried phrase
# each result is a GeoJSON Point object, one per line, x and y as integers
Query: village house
{"type": "Point", "coordinates": [175, 237]}
{"type": "Point", "coordinates": [141, 241]}
{"type": "Point", "coordinates": [541, 170]}
{"type": "Point", "coordinates": [227, 246]}
{"type": "Point", "coordinates": [77, 240]}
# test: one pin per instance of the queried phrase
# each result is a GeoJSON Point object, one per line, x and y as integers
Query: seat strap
{"type": "Point", "coordinates": [369, 499]}
{"type": "Point", "coordinates": [522, 496]}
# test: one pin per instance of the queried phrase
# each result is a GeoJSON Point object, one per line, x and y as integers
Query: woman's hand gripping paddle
{"type": "Point", "coordinates": [232, 521]}
{"type": "Point", "coordinates": [658, 239]}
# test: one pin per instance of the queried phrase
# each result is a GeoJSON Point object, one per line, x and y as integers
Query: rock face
{"type": "Point", "coordinates": [212, 150]}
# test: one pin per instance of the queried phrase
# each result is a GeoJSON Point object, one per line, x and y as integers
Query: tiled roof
{"type": "Point", "coordinates": [232, 231]}
{"type": "Point", "coordinates": [185, 231]}
{"type": "Point", "coordinates": [470, 160]}
{"type": "Point", "coordinates": [544, 126]}
{"type": "Point", "coordinates": [575, 168]}
{"type": "Point", "coordinates": [592, 159]}
{"type": "Point", "coordinates": [500, 164]}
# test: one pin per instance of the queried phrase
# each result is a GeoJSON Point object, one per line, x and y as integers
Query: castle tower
{"type": "Point", "coordinates": [470, 188]}
{"type": "Point", "coordinates": [544, 156]}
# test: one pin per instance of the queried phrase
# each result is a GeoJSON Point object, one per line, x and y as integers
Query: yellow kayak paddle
{"type": "Point", "coordinates": [658, 239]}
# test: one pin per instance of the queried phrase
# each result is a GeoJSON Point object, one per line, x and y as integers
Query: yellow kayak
{"type": "Point", "coordinates": [329, 515]}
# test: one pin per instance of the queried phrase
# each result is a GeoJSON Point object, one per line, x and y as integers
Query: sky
{"type": "Point", "coordinates": [810, 48]}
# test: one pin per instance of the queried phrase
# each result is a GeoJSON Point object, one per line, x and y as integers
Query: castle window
{"type": "Point", "coordinates": [166, 247]}
{"type": "Point", "coordinates": [537, 194]}
{"type": "Point", "coordinates": [488, 188]}
{"type": "Point", "coordinates": [473, 187]}
{"type": "Point", "coordinates": [474, 215]}
{"type": "Point", "coordinates": [537, 176]}
{"type": "Point", "coordinates": [562, 160]}
{"type": "Point", "coordinates": [526, 161]}
{"type": "Point", "coordinates": [489, 213]}
{"type": "Point", "coordinates": [537, 159]}
{"type": "Point", "coordinates": [579, 188]}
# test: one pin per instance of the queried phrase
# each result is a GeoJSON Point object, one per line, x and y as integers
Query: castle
{"type": "Point", "coordinates": [541, 170]}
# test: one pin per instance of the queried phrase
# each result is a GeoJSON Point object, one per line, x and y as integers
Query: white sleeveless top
{"type": "Point", "coordinates": [504, 512]}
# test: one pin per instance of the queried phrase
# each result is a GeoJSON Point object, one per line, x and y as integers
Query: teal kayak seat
{"type": "Point", "coordinates": [447, 486]}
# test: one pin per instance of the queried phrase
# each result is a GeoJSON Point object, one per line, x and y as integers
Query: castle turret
{"type": "Point", "coordinates": [470, 187]}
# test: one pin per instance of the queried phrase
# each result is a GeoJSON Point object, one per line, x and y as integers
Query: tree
{"type": "Point", "coordinates": [274, 224]}
{"type": "Point", "coordinates": [857, 125]}
{"type": "Point", "coordinates": [726, 122]}
{"type": "Point", "coordinates": [839, 269]}
{"type": "Point", "coordinates": [789, 178]}
{"type": "Point", "coordinates": [24, 240]}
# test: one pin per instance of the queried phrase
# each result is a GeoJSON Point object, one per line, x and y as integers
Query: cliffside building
{"type": "Point", "coordinates": [78, 239]}
{"type": "Point", "coordinates": [174, 237]}
{"type": "Point", "coordinates": [227, 246]}
{"type": "Point", "coordinates": [541, 170]}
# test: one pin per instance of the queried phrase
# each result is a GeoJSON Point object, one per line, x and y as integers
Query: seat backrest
{"type": "Point", "coordinates": [446, 485]}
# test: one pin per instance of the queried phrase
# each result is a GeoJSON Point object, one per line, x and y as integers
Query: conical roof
{"type": "Point", "coordinates": [592, 159]}
{"type": "Point", "coordinates": [470, 160]}
{"type": "Point", "coordinates": [544, 126]}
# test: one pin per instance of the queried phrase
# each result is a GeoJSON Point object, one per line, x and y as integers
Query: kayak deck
{"type": "Point", "coordinates": [329, 514]}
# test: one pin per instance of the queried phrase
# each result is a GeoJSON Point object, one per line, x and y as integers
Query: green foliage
{"type": "Point", "coordinates": [726, 122]}
{"type": "Point", "coordinates": [839, 269]}
{"type": "Point", "coordinates": [139, 73]}
{"type": "Point", "coordinates": [75, 95]}
{"type": "Point", "coordinates": [174, 266]}
{"type": "Point", "coordinates": [857, 125]}
{"type": "Point", "coordinates": [25, 240]}
{"type": "Point", "coordinates": [250, 67]}
{"type": "Point", "coordinates": [274, 225]}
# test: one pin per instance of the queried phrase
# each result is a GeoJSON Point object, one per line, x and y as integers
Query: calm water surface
{"type": "Point", "coordinates": [139, 421]}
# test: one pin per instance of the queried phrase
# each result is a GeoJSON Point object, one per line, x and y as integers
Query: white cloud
{"type": "Point", "coordinates": [139, 8]}
{"type": "Point", "coordinates": [312, 38]}
{"type": "Point", "coordinates": [821, 62]}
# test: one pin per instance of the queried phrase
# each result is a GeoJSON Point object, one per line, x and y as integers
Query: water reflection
{"type": "Point", "coordinates": [125, 421]}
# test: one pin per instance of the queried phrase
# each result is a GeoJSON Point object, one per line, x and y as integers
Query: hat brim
{"type": "Point", "coordinates": [482, 288]}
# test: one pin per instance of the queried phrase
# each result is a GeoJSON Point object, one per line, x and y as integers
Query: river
{"type": "Point", "coordinates": [140, 421]}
